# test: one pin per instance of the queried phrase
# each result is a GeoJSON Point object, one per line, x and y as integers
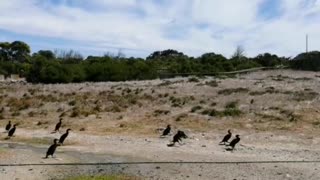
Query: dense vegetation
{"type": "Point", "coordinates": [307, 61]}
{"type": "Point", "coordinates": [69, 66]}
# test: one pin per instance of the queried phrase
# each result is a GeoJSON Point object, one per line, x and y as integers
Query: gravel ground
{"type": "Point", "coordinates": [198, 148]}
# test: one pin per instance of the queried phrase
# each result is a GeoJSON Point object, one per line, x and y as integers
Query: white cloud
{"type": "Point", "coordinates": [142, 26]}
{"type": "Point", "coordinates": [229, 13]}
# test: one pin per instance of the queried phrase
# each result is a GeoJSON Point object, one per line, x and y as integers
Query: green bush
{"type": "Point", "coordinates": [45, 66]}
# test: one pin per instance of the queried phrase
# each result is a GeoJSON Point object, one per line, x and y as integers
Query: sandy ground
{"type": "Point", "coordinates": [282, 124]}
{"type": "Point", "coordinates": [199, 148]}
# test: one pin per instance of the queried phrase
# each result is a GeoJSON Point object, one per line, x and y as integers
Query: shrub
{"type": "Point", "coordinates": [161, 112]}
{"type": "Point", "coordinates": [212, 83]}
{"type": "Point", "coordinates": [114, 108]}
{"type": "Point", "coordinates": [75, 112]}
{"type": "Point", "coordinates": [195, 108]}
{"type": "Point", "coordinates": [231, 91]}
{"type": "Point", "coordinates": [231, 105]}
{"type": "Point", "coordinates": [232, 112]}
{"type": "Point", "coordinates": [205, 112]}
{"type": "Point", "coordinates": [72, 103]}
{"type": "Point", "coordinates": [193, 79]}
{"type": "Point", "coordinates": [181, 116]}
{"type": "Point", "coordinates": [304, 95]}
{"type": "Point", "coordinates": [214, 112]}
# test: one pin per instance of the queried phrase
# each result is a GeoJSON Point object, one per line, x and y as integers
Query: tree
{"type": "Point", "coordinates": [268, 60]}
{"type": "Point", "coordinates": [19, 51]}
{"type": "Point", "coordinates": [5, 51]}
{"type": "Point", "coordinates": [69, 56]}
{"type": "Point", "coordinates": [239, 53]}
{"type": "Point", "coordinates": [307, 61]}
{"type": "Point", "coordinates": [165, 53]}
{"type": "Point", "coordinates": [46, 53]}
{"type": "Point", "coordinates": [120, 54]}
{"type": "Point", "coordinates": [211, 58]}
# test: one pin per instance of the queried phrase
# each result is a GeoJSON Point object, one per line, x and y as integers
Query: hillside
{"type": "Point", "coordinates": [275, 112]}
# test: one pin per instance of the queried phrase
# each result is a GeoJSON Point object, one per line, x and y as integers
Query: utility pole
{"type": "Point", "coordinates": [307, 43]}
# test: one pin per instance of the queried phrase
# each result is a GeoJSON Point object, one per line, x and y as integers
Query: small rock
{"type": "Point", "coordinates": [157, 167]}
{"type": "Point", "coordinates": [203, 146]}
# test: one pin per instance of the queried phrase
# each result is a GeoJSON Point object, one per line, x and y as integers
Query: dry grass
{"type": "Point", "coordinates": [232, 91]}
{"type": "Point", "coordinates": [196, 108]}
{"type": "Point", "coordinates": [212, 83]}
{"type": "Point", "coordinates": [34, 140]}
{"type": "Point", "coordinates": [141, 107]}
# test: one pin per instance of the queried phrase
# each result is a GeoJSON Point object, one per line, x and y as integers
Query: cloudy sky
{"type": "Point", "coordinates": [139, 27]}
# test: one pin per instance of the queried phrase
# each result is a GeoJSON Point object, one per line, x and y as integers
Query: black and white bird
{"type": "Point", "coordinates": [52, 148]}
{"type": "Point", "coordinates": [64, 136]}
{"type": "Point", "coordinates": [233, 143]}
{"type": "Point", "coordinates": [226, 138]}
{"type": "Point", "coordinates": [8, 126]}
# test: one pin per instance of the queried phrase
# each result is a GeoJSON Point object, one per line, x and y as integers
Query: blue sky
{"type": "Point", "coordinates": [139, 27]}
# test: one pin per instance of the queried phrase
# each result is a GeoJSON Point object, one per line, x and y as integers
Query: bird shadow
{"type": "Point", "coordinates": [54, 157]}
{"type": "Point", "coordinates": [229, 149]}
{"type": "Point", "coordinates": [174, 145]}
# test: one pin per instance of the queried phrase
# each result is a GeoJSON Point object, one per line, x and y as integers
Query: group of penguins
{"type": "Point", "coordinates": [177, 138]}
{"type": "Point", "coordinates": [56, 142]}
